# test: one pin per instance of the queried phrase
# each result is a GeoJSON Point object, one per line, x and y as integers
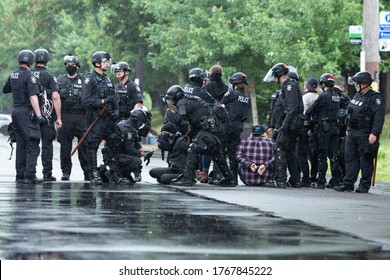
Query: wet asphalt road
{"type": "Point", "coordinates": [149, 221]}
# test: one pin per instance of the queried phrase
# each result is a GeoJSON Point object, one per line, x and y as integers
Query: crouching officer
{"type": "Point", "coordinates": [26, 117]}
{"type": "Point", "coordinates": [365, 119]}
{"type": "Point", "coordinates": [73, 113]}
{"type": "Point", "coordinates": [204, 132]}
{"type": "Point", "coordinates": [123, 149]}
{"type": "Point", "coordinates": [172, 141]}
{"type": "Point", "coordinates": [98, 91]}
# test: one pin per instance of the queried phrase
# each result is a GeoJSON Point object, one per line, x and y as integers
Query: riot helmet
{"type": "Point", "coordinates": [196, 76]}
{"type": "Point", "coordinates": [363, 77]}
{"type": "Point", "coordinates": [293, 73]}
{"type": "Point", "coordinates": [196, 73]}
{"type": "Point", "coordinates": [142, 121]}
{"type": "Point", "coordinates": [326, 80]}
{"type": "Point", "coordinates": [277, 70]}
{"type": "Point", "coordinates": [100, 56]}
{"type": "Point", "coordinates": [174, 93]}
{"type": "Point", "coordinates": [71, 58]}
{"type": "Point", "coordinates": [238, 78]}
{"type": "Point", "coordinates": [120, 66]}
{"type": "Point", "coordinates": [41, 56]}
{"type": "Point", "coordinates": [26, 56]}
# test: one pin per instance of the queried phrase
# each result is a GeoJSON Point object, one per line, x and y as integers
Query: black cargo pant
{"type": "Point", "coordinates": [27, 142]}
{"type": "Point", "coordinates": [73, 125]}
{"type": "Point", "coordinates": [359, 155]}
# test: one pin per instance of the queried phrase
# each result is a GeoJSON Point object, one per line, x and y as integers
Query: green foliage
{"type": "Point", "coordinates": [163, 39]}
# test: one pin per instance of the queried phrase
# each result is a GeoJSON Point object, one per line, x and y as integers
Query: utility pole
{"type": "Point", "coordinates": [370, 38]}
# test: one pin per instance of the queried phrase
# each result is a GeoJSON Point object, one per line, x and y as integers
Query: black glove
{"type": "Point", "coordinates": [110, 99]}
{"type": "Point", "coordinates": [42, 120]}
{"type": "Point", "coordinates": [147, 157]}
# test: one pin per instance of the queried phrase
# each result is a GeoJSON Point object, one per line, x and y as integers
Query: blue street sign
{"type": "Point", "coordinates": [384, 27]}
{"type": "Point", "coordinates": [384, 35]}
{"type": "Point", "coordinates": [387, 18]}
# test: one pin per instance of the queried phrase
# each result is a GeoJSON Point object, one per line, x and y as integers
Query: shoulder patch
{"type": "Point", "coordinates": [289, 87]}
{"type": "Point", "coordinates": [86, 81]}
{"type": "Point", "coordinates": [33, 79]}
{"type": "Point", "coordinates": [378, 101]}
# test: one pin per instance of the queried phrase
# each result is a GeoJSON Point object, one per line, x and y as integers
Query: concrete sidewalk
{"type": "Point", "coordinates": [362, 215]}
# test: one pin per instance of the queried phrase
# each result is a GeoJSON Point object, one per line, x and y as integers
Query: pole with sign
{"type": "Point", "coordinates": [384, 31]}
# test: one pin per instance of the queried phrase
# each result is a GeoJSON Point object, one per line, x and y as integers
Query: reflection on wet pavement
{"type": "Point", "coordinates": [75, 221]}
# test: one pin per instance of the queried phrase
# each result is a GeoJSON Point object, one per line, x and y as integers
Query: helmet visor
{"type": "Point", "coordinates": [270, 76]}
{"type": "Point", "coordinates": [171, 106]}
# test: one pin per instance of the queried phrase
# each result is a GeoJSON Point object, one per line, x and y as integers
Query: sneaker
{"type": "Point", "coordinates": [65, 177]}
{"type": "Point", "coordinates": [343, 188]}
{"type": "Point", "coordinates": [49, 178]}
{"type": "Point", "coordinates": [31, 181]}
{"type": "Point", "coordinates": [227, 183]}
{"type": "Point", "coordinates": [183, 182]}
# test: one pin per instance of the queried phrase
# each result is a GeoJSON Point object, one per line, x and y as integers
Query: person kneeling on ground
{"type": "Point", "coordinates": [173, 142]}
{"type": "Point", "coordinates": [256, 157]}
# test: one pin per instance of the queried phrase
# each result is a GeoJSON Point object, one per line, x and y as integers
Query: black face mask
{"type": "Point", "coordinates": [71, 70]}
{"type": "Point", "coordinates": [215, 77]}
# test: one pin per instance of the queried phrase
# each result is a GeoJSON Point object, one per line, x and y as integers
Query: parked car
{"type": "Point", "coordinates": [5, 120]}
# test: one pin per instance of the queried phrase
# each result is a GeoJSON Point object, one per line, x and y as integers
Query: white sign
{"type": "Point", "coordinates": [384, 31]}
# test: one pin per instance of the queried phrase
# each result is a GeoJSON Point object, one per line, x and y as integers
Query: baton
{"type": "Point", "coordinates": [90, 128]}
{"type": "Point", "coordinates": [375, 165]}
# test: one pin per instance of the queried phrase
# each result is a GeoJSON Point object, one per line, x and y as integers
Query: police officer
{"type": "Point", "coordinates": [237, 103]}
{"type": "Point", "coordinates": [306, 144]}
{"type": "Point", "coordinates": [204, 132]}
{"type": "Point", "coordinates": [365, 119]}
{"type": "Point", "coordinates": [170, 140]}
{"type": "Point", "coordinates": [50, 99]}
{"type": "Point", "coordinates": [73, 113]}
{"type": "Point", "coordinates": [123, 149]}
{"type": "Point", "coordinates": [288, 123]}
{"type": "Point", "coordinates": [26, 118]}
{"type": "Point", "coordinates": [340, 147]}
{"type": "Point", "coordinates": [194, 86]}
{"type": "Point", "coordinates": [324, 113]}
{"type": "Point", "coordinates": [98, 91]}
{"type": "Point", "coordinates": [128, 93]}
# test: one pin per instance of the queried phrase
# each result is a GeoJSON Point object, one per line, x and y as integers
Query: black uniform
{"type": "Point", "coordinates": [217, 89]}
{"type": "Point", "coordinates": [73, 113]}
{"type": "Point", "coordinates": [121, 152]}
{"type": "Point", "coordinates": [365, 116]}
{"type": "Point", "coordinates": [237, 104]}
{"type": "Point", "coordinates": [23, 84]}
{"type": "Point", "coordinates": [192, 88]}
{"type": "Point", "coordinates": [48, 83]}
{"type": "Point", "coordinates": [128, 94]}
{"type": "Point", "coordinates": [271, 117]}
{"type": "Point", "coordinates": [177, 148]}
{"type": "Point", "coordinates": [206, 134]}
{"type": "Point", "coordinates": [324, 113]}
{"type": "Point", "coordinates": [96, 88]}
{"type": "Point", "coordinates": [288, 121]}
{"type": "Point", "coordinates": [340, 157]}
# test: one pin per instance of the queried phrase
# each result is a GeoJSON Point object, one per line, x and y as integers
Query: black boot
{"type": "Point", "coordinates": [92, 160]}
